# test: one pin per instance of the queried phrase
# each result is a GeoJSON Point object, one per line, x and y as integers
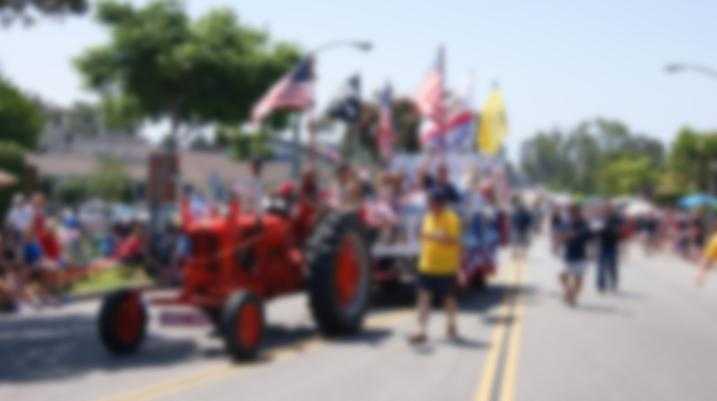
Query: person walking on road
{"type": "Point", "coordinates": [609, 241]}
{"type": "Point", "coordinates": [575, 240]}
{"type": "Point", "coordinates": [556, 227]}
{"type": "Point", "coordinates": [521, 223]}
{"type": "Point", "coordinates": [709, 257]}
{"type": "Point", "coordinates": [439, 263]}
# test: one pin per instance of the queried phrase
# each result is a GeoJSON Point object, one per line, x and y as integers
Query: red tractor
{"type": "Point", "coordinates": [240, 260]}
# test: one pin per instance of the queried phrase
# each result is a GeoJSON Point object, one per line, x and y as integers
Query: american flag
{"type": "Point", "coordinates": [429, 98]}
{"type": "Point", "coordinates": [456, 134]}
{"type": "Point", "coordinates": [294, 91]}
{"type": "Point", "coordinates": [386, 135]}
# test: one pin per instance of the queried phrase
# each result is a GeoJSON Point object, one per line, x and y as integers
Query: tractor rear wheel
{"type": "Point", "coordinates": [243, 325]}
{"type": "Point", "coordinates": [339, 274]}
{"type": "Point", "coordinates": [123, 321]}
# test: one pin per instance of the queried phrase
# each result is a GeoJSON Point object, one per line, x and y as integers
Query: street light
{"type": "Point", "coordinates": [363, 45]}
{"type": "Point", "coordinates": [675, 68]}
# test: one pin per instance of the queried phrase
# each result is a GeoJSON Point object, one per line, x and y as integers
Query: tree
{"type": "Point", "coordinates": [12, 160]}
{"type": "Point", "coordinates": [408, 121]}
{"type": "Point", "coordinates": [20, 119]}
{"type": "Point", "coordinates": [693, 159]}
{"type": "Point", "coordinates": [542, 159]}
{"type": "Point", "coordinates": [121, 114]}
{"type": "Point", "coordinates": [243, 145]}
{"type": "Point", "coordinates": [591, 157]}
{"type": "Point", "coordinates": [190, 72]}
{"type": "Point", "coordinates": [628, 175]}
{"type": "Point", "coordinates": [11, 10]}
{"type": "Point", "coordinates": [71, 191]}
{"type": "Point", "coordinates": [362, 135]}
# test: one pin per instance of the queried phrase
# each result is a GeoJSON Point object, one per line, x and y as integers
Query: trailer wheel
{"type": "Point", "coordinates": [339, 275]}
{"type": "Point", "coordinates": [122, 322]}
{"type": "Point", "coordinates": [243, 325]}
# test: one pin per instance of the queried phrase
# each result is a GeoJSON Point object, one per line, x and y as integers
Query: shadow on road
{"type": "Point", "coordinates": [603, 309]}
{"type": "Point", "coordinates": [55, 347]}
{"type": "Point", "coordinates": [472, 299]}
{"type": "Point", "coordinates": [494, 294]}
{"type": "Point", "coordinates": [370, 336]}
{"type": "Point", "coordinates": [597, 308]}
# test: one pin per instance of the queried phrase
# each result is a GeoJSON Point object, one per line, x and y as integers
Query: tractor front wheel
{"type": "Point", "coordinates": [339, 274]}
{"type": "Point", "coordinates": [123, 321]}
{"type": "Point", "coordinates": [243, 325]}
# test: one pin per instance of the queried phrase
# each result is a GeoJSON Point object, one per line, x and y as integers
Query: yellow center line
{"type": "Point", "coordinates": [511, 361]}
{"type": "Point", "coordinates": [505, 315]}
{"type": "Point", "coordinates": [222, 370]}
{"type": "Point", "coordinates": [485, 387]}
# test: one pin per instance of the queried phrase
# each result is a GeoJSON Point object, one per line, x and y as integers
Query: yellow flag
{"type": "Point", "coordinates": [493, 124]}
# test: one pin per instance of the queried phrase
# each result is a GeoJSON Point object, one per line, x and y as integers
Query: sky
{"type": "Point", "coordinates": [557, 62]}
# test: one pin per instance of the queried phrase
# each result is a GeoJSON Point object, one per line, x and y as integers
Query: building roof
{"type": "Point", "coordinates": [196, 166]}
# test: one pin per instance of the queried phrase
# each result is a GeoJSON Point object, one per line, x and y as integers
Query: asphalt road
{"type": "Point", "coordinates": [654, 340]}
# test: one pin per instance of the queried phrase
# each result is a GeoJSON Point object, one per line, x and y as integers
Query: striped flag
{"type": "Point", "coordinates": [456, 134]}
{"type": "Point", "coordinates": [430, 96]}
{"type": "Point", "coordinates": [294, 91]}
{"type": "Point", "coordinates": [386, 134]}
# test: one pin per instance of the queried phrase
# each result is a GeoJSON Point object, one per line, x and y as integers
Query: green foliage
{"type": "Point", "coordinates": [12, 160]}
{"type": "Point", "coordinates": [121, 114]}
{"type": "Point", "coordinates": [407, 122]}
{"type": "Point", "coordinates": [20, 119]}
{"type": "Point", "coordinates": [71, 191]}
{"type": "Point", "coordinates": [359, 140]}
{"type": "Point", "coordinates": [110, 182]}
{"type": "Point", "coordinates": [11, 10]}
{"type": "Point", "coordinates": [692, 161]}
{"type": "Point", "coordinates": [245, 146]}
{"type": "Point", "coordinates": [582, 159]}
{"type": "Point", "coordinates": [627, 175]}
{"type": "Point", "coordinates": [209, 70]}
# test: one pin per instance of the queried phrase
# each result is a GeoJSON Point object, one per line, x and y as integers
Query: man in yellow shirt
{"type": "Point", "coordinates": [439, 263]}
{"type": "Point", "coordinates": [709, 257]}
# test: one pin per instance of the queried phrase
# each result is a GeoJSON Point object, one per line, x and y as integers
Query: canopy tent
{"type": "Point", "coordinates": [638, 207]}
{"type": "Point", "coordinates": [697, 200]}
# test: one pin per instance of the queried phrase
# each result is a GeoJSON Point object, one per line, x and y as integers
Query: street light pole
{"type": "Point", "coordinates": [675, 68]}
{"type": "Point", "coordinates": [362, 45]}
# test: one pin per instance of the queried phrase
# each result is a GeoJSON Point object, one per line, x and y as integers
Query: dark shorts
{"type": "Point", "coordinates": [521, 238]}
{"type": "Point", "coordinates": [438, 286]}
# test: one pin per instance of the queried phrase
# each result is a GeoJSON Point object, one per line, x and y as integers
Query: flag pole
{"type": "Point", "coordinates": [296, 144]}
{"type": "Point", "coordinates": [442, 114]}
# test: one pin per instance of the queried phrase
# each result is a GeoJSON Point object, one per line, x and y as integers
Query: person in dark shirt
{"type": "Point", "coordinates": [556, 227]}
{"type": "Point", "coordinates": [443, 183]}
{"type": "Point", "coordinates": [609, 240]}
{"type": "Point", "coordinates": [697, 235]}
{"type": "Point", "coordinates": [576, 236]}
{"type": "Point", "coordinates": [521, 222]}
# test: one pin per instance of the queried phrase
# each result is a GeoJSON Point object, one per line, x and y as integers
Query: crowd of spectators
{"type": "Point", "coordinates": [45, 250]}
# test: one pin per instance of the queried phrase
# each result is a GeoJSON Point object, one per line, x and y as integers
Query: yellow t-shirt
{"type": "Point", "coordinates": [438, 258]}
{"type": "Point", "coordinates": [710, 251]}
